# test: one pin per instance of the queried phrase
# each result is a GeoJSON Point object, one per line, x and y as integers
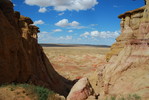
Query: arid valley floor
{"type": "Point", "coordinates": [74, 62]}
{"type": "Point", "coordinates": [33, 71]}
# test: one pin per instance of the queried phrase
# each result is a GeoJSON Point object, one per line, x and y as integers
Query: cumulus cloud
{"type": "Point", "coordinates": [95, 33]}
{"type": "Point", "coordinates": [48, 38]}
{"type": "Point", "coordinates": [65, 38]}
{"type": "Point", "coordinates": [70, 31]}
{"type": "Point", "coordinates": [65, 22]}
{"type": "Point", "coordinates": [74, 23]}
{"type": "Point", "coordinates": [42, 10]}
{"type": "Point", "coordinates": [86, 34]}
{"type": "Point", "coordinates": [102, 34]}
{"type": "Point", "coordinates": [105, 34]}
{"type": "Point", "coordinates": [60, 14]}
{"type": "Point", "coordinates": [57, 30]}
{"type": "Point", "coordinates": [62, 23]}
{"type": "Point", "coordinates": [62, 5]}
{"type": "Point", "coordinates": [38, 22]}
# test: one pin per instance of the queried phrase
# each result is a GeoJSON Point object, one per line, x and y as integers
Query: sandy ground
{"type": "Point", "coordinates": [76, 62]}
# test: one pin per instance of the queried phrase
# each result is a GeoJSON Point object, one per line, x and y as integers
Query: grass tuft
{"type": "Point", "coordinates": [41, 92]}
{"type": "Point", "coordinates": [129, 97]}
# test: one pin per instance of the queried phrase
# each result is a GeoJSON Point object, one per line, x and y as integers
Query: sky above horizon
{"type": "Point", "coordinates": [76, 21]}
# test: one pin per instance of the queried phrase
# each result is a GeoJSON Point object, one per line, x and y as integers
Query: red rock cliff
{"type": "Point", "coordinates": [21, 57]}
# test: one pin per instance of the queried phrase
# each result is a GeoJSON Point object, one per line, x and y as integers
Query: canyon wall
{"type": "Point", "coordinates": [127, 70]}
{"type": "Point", "coordinates": [130, 24]}
{"type": "Point", "coordinates": [22, 59]}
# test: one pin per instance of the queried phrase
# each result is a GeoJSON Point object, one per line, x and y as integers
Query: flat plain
{"type": "Point", "coordinates": [74, 62]}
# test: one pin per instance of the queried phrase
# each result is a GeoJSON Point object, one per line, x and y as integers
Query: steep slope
{"type": "Point", "coordinates": [21, 57]}
{"type": "Point", "coordinates": [127, 70]}
{"type": "Point", "coordinates": [130, 23]}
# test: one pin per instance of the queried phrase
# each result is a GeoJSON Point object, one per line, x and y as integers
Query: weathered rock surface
{"type": "Point", "coordinates": [130, 23]}
{"type": "Point", "coordinates": [81, 90]}
{"type": "Point", "coordinates": [21, 57]}
{"type": "Point", "coordinates": [127, 71]}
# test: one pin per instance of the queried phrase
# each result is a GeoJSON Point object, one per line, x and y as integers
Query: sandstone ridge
{"type": "Point", "coordinates": [22, 59]}
{"type": "Point", "coordinates": [131, 22]}
{"type": "Point", "coordinates": [126, 72]}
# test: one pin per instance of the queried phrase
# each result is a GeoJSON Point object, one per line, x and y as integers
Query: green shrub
{"type": "Point", "coordinates": [136, 97]}
{"type": "Point", "coordinates": [113, 98]}
{"type": "Point", "coordinates": [129, 97]}
{"type": "Point", "coordinates": [122, 98]}
{"type": "Point", "coordinates": [41, 92]}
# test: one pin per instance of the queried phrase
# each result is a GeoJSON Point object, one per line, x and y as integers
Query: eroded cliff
{"type": "Point", "coordinates": [22, 59]}
{"type": "Point", "coordinates": [127, 70]}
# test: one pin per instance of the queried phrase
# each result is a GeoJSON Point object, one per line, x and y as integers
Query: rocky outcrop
{"type": "Point", "coordinates": [126, 73]}
{"type": "Point", "coordinates": [22, 59]}
{"type": "Point", "coordinates": [81, 90]}
{"type": "Point", "coordinates": [130, 23]}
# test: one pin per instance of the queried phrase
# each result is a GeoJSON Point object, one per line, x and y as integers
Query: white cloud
{"type": "Point", "coordinates": [86, 34]}
{"type": "Point", "coordinates": [57, 30]}
{"type": "Point", "coordinates": [65, 38]}
{"type": "Point", "coordinates": [60, 14]}
{"type": "Point", "coordinates": [44, 32]}
{"type": "Point", "coordinates": [65, 22]}
{"type": "Point", "coordinates": [38, 22]}
{"type": "Point", "coordinates": [42, 10]}
{"type": "Point", "coordinates": [93, 24]}
{"type": "Point", "coordinates": [74, 23]}
{"type": "Point", "coordinates": [48, 38]}
{"type": "Point", "coordinates": [95, 33]}
{"type": "Point", "coordinates": [102, 34]}
{"type": "Point", "coordinates": [62, 5]}
{"type": "Point", "coordinates": [70, 31]}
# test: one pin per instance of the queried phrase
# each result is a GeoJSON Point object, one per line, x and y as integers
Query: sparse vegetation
{"type": "Point", "coordinates": [129, 97]}
{"type": "Point", "coordinates": [136, 97]}
{"type": "Point", "coordinates": [113, 98]}
{"type": "Point", "coordinates": [41, 92]}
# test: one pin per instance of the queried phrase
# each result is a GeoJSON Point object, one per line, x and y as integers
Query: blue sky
{"type": "Point", "coordinates": [76, 21]}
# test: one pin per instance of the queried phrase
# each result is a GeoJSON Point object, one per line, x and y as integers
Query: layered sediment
{"type": "Point", "coordinates": [22, 59]}
{"type": "Point", "coordinates": [126, 72]}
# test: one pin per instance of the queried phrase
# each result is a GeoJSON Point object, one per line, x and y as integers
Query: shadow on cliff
{"type": "Point", "coordinates": [22, 59]}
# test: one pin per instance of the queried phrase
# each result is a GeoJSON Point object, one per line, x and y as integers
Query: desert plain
{"type": "Point", "coordinates": [76, 61]}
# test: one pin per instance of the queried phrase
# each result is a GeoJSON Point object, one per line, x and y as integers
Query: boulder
{"type": "Point", "coordinates": [81, 90]}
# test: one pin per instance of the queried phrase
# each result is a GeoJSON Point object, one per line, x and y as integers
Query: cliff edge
{"type": "Point", "coordinates": [127, 71]}
{"type": "Point", "coordinates": [22, 59]}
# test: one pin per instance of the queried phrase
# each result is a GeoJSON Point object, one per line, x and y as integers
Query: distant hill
{"type": "Point", "coordinates": [72, 45]}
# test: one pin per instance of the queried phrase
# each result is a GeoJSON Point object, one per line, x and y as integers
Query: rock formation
{"type": "Point", "coordinates": [81, 90]}
{"type": "Point", "coordinates": [21, 57]}
{"type": "Point", "coordinates": [130, 23]}
{"type": "Point", "coordinates": [127, 70]}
